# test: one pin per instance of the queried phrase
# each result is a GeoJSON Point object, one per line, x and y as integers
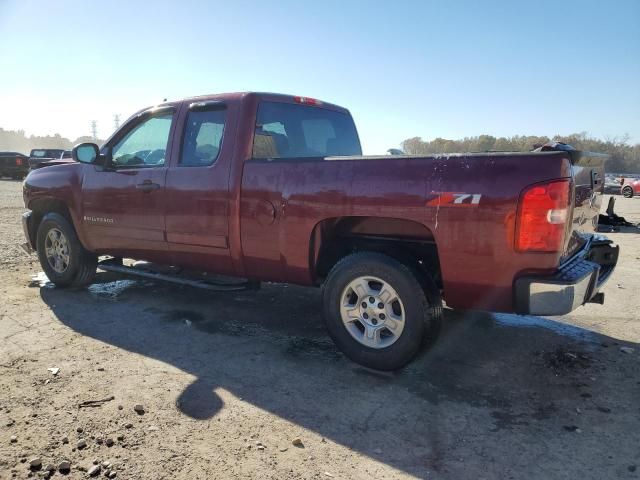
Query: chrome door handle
{"type": "Point", "coordinates": [147, 186]}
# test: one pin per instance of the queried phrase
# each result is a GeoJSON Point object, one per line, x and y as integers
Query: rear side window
{"type": "Point", "coordinates": [285, 130]}
{"type": "Point", "coordinates": [202, 138]}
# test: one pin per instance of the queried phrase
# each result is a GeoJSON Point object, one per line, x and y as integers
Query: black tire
{"type": "Point", "coordinates": [627, 192]}
{"type": "Point", "coordinates": [81, 268]}
{"type": "Point", "coordinates": [418, 294]}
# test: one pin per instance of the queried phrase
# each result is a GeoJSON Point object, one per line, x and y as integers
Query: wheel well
{"type": "Point", "coordinates": [407, 241]}
{"type": "Point", "coordinates": [40, 208]}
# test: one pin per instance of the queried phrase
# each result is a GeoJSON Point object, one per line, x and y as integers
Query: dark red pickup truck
{"type": "Point", "coordinates": [274, 187]}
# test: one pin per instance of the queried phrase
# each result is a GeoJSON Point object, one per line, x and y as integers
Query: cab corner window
{"type": "Point", "coordinates": [145, 145]}
{"type": "Point", "coordinates": [202, 138]}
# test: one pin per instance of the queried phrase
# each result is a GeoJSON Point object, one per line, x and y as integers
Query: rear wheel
{"type": "Point", "coordinates": [377, 310]}
{"type": "Point", "coordinates": [627, 192]}
{"type": "Point", "coordinates": [62, 257]}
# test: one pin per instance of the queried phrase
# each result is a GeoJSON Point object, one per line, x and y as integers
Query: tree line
{"type": "Point", "coordinates": [18, 141]}
{"type": "Point", "coordinates": [623, 157]}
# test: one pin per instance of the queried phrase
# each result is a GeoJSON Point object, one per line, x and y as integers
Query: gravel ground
{"type": "Point", "coordinates": [229, 382]}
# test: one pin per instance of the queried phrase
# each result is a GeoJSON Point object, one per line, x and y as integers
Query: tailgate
{"type": "Point", "coordinates": [588, 178]}
{"type": "Point", "coordinates": [9, 161]}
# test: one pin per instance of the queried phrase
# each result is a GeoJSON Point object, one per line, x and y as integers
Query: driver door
{"type": "Point", "coordinates": [124, 206]}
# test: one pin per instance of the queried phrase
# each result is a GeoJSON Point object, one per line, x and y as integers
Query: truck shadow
{"type": "Point", "coordinates": [490, 379]}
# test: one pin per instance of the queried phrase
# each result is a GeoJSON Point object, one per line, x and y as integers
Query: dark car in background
{"type": "Point", "coordinates": [41, 155]}
{"type": "Point", "coordinates": [14, 165]}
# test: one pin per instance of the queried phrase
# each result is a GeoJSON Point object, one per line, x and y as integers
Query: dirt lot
{"type": "Point", "coordinates": [228, 381]}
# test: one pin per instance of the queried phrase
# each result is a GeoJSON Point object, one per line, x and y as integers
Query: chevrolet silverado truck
{"type": "Point", "coordinates": [275, 188]}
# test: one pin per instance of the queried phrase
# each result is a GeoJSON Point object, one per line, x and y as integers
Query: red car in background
{"type": "Point", "coordinates": [630, 187]}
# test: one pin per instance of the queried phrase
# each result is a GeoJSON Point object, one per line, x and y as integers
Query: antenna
{"type": "Point", "coordinates": [116, 121]}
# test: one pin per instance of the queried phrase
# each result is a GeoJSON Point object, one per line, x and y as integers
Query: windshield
{"type": "Point", "coordinates": [46, 153]}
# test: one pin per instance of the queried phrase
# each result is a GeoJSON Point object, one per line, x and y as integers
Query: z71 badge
{"type": "Point", "coordinates": [455, 199]}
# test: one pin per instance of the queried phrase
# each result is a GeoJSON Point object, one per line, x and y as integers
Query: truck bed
{"type": "Point", "coordinates": [476, 239]}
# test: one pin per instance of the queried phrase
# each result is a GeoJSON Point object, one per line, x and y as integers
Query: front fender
{"type": "Point", "coordinates": [57, 188]}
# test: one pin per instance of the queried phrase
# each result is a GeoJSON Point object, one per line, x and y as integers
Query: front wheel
{"type": "Point", "coordinates": [377, 310]}
{"type": "Point", "coordinates": [627, 192]}
{"type": "Point", "coordinates": [62, 257]}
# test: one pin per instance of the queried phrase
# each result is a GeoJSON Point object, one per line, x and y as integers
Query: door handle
{"type": "Point", "coordinates": [147, 186]}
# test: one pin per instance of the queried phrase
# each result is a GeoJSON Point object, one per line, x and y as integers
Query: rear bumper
{"type": "Point", "coordinates": [575, 283]}
{"type": "Point", "coordinates": [14, 170]}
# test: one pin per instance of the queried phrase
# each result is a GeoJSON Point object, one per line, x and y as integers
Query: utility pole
{"type": "Point", "coordinates": [94, 129]}
{"type": "Point", "coordinates": [116, 121]}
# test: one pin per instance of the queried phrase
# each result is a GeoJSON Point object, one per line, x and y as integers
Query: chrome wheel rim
{"type": "Point", "coordinates": [372, 312]}
{"type": "Point", "coordinates": [627, 192]}
{"type": "Point", "coordinates": [56, 250]}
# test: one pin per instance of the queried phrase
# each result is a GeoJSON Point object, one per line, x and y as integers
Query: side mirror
{"type": "Point", "coordinates": [85, 153]}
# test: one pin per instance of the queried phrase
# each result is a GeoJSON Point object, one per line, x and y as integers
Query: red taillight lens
{"type": "Point", "coordinates": [543, 212]}
{"type": "Point", "coordinates": [18, 161]}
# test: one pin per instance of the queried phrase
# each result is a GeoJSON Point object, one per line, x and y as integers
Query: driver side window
{"type": "Point", "coordinates": [145, 145]}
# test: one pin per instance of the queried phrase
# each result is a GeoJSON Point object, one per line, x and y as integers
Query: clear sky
{"type": "Point", "coordinates": [404, 68]}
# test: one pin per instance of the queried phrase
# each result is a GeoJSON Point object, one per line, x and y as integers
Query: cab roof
{"type": "Point", "coordinates": [260, 96]}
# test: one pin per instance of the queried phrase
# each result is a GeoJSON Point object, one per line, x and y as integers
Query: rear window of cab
{"type": "Point", "coordinates": [46, 153]}
{"type": "Point", "coordinates": [285, 130]}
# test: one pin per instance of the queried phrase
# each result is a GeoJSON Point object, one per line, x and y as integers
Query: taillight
{"type": "Point", "coordinates": [18, 161]}
{"type": "Point", "coordinates": [543, 212]}
{"type": "Point", "coordinates": [307, 101]}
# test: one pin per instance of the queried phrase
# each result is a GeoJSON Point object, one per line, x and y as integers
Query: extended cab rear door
{"type": "Point", "coordinates": [124, 204]}
{"type": "Point", "coordinates": [197, 214]}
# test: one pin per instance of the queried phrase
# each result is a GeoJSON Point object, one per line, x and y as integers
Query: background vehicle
{"type": "Point", "coordinates": [612, 184]}
{"type": "Point", "coordinates": [65, 157]}
{"type": "Point", "coordinates": [14, 165]}
{"type": "Point", "coordinates": [40, 155]}
{"type": "Point", "coordinates": [274, 187]}
{"type": "Point", "coordinates": [630, 187]}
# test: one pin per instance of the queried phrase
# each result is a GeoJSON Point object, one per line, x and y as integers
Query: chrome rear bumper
{"type": "Point", "coordinates": [577, 282]}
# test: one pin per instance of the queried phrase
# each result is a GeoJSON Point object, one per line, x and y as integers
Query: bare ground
{"type": "Point", "coordinates": [228, 381]}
